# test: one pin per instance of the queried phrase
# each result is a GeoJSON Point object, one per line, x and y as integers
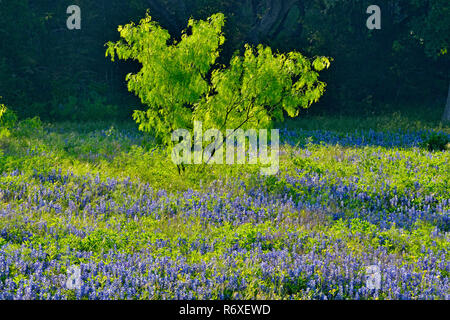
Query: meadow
{"type": "Point", "coordinates": [110, 202]}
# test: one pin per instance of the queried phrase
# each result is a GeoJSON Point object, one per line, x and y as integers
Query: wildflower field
{"type": "Point", "coordinates": [111, 203]}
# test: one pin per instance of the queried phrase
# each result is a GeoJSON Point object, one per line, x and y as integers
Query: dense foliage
{"type": "Point", "coordinates": [178, 84]}
{"type": "Point", "coordinates": [259, 87]}
{"type": "Point", "coordinates": [173, 76]}
{"type": "Point", "coordinates": [56, 73]}
{"type": "Point", "coordinates": [7, 120]}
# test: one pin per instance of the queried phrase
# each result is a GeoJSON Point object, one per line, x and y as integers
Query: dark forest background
{"type": "Point", "coordinates": [60, 74]}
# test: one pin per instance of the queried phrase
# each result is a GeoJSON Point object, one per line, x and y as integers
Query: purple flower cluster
{"type": "Point", "coordinates": [287, 273]}
{"type": "Point", "coordinates": [309, 232]}
{"type": "Point", "coordinates": [289, 265]}
{"type": "Point", "coordinates": [358, 138]}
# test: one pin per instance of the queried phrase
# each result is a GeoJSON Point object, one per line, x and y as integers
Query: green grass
{"type": "Point", "coordinates": [120, 151]}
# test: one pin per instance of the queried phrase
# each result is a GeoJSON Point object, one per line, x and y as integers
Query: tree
{"type": "Point", "coordinates": [275, 15]}
{"type": "Point", "coordinates": [446, 115]}
{"type": "Point", "coordinates": [431, 27]}
{"type": "Point", "coordinates": [178, 86]}
{"type": "Point", "coordinates": [44, 66]}
{"type": "Point", "coordinates": [56, 73]}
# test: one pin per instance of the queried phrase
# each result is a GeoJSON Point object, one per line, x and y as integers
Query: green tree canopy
{"type": "Point", "coordinates": [173, 77]}
{"type": "Point", "coordinates": [259, 87]}
{"type": "Point", "coordinates": [178, 84]}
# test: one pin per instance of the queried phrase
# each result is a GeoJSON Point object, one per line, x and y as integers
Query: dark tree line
{"type": "Point", "coordinates": [56, 73]}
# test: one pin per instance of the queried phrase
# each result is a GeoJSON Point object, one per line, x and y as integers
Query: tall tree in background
{"type": "Point", "coordinates": [249, 21]}
{"type": "Point", "coordinates": [431, 27]}
{"type": "Point", "coordinates": [53, 72]}
{"type": "Point", "coordinates": [56, 73]}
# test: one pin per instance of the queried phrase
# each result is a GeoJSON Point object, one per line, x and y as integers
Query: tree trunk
{"type": "Point", "coordinates": [446, 116]}
{"type": "Point", "coordinates": [271, 18]}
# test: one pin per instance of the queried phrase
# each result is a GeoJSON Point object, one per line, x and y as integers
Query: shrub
{"type": "Point", "coordinates": [436, 142]}
{"type": "Point", "coordinates": [7, 120]}
{"type": "Point", "coordinates": [31, 127]}
{"type": "Point", "coordinates": [90, 106]}
{"type": "Point", "coordinates": [2, 110]}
